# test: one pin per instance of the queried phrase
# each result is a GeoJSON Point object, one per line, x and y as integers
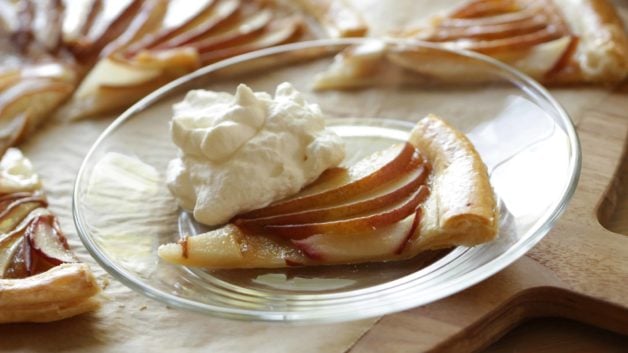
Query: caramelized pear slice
{"type": "Point", "coordinates": [391, 194]}
{"type": "Point", "coordinates": [366, 175]}
{"type": "Point", "coordinates": [147, 20]}
{"type": "Point", "coordinates": [12, 217]}
{"type": "Point", "coordinates": [243, 32]}
{"type": "Point", "coordinates": [373, 245]}
{"type": "Point", "coordinates": [223, 12]}
{"type": "Point", "coordinates": [353, 225]}
{"type": "Point", "coordinates": [180, 16]}
{"type": "Point", "coordinates": [46, 241]}
{"type": "Point", "coordinates": [278, 32]}
{"type": "Point", "coordinates": [109, 23]}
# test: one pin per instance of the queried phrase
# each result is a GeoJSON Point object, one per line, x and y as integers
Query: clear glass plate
{"type": "Point", "coordinates": [123, 210]}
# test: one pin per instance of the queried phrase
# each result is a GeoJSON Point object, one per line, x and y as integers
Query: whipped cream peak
{"type": "Point", "coordinates": [214, 125]}
{"type": "Point", "coordinates": [243, 151]}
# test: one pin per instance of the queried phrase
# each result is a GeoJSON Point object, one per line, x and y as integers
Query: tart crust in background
{"type": "Point", "coordinates": [48, 293]}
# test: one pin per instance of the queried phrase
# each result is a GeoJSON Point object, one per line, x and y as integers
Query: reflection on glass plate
{"type": "Point", "coordinates": [123, 210]}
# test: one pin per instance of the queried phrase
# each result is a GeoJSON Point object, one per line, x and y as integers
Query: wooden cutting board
{"type": "Point", "coordinates": [578, 271]}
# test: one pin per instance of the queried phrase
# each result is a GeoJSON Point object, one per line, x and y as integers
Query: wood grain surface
{"type": "Point", "coordinates": [579, 271]}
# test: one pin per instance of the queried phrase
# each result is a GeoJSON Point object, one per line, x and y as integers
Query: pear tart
{"type": "Point", "coordinates": [429, 193]}
{"type": "Point", "coordinates": [99, 56]}
{"type": "Point", "coordinates": [554, 41]}
{"type": "Point", "coordinates": [40, 279]}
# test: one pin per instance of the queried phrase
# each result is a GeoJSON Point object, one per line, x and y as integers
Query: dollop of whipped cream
{"type": "Point", "coordinates": [242, 152]}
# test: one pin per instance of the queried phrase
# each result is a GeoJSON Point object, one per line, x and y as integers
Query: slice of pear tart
{"type": "Point", "coordinates": [40, 278]}
{"type": "Point", "coordinates": [94, 57]}
{"type": "Point", "coordinates": [432, 192]}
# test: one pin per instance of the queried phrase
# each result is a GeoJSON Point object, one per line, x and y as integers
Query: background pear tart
{"type": "Point", "coordinates": [40, 279]}
{"type": "Point", "coordinates": [431, 192]}
{"type": "Point", "coordinates": [554, 41]}
{"type": "Point", "coordinates": [100, 56]}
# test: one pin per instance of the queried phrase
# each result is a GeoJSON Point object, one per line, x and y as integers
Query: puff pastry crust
{"type": "Point", "coordinates": [35, 287]}
{"type": "Point", "coordinates": [64, 291]}
{"type": "Point", "coordinates": [460, 210]}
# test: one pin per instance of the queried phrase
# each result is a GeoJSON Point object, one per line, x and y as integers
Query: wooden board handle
{"type": "Point", "coordinates": [579, 271]}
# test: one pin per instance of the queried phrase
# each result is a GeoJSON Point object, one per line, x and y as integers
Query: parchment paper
{"type": "Point", "coordinates": [128, 321]}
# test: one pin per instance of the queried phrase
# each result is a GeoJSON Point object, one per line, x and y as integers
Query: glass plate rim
{"type": "Point", "coordinates": [450, 287]}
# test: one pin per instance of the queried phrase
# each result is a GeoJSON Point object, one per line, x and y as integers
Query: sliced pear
{"type": "Point", "coordinates": [513, 43]}
{"type": "Point", "coordinates": [110, 22]}
{"type": "Point", "coordinates": [483, 8]}
{"type": "Point", "coordinates": [222, 12]}
{"type": "Point", "coordinates": [379, 244]}
{"type": "Point", "coordinates": [489, 32]}
{"type": "Point", "coordinates": [183, 12]}
{"type": "Point", "coordinates": [441, 66]}
{"type": "Point", "coordinates": [534, 59]}
{"type": "Point", "coordinates": [106, 99]}
{"type": "Point", "coordinates": [109, 12]}
{"type": "Point", "coordinates": [112, 72]}
{"type": "Point", "coordinates": [511, 17]}
{"type": "Point", "coordinates": [147, 20]}
{"type": "Point", "coordinates": [10, 201]}
{"type": "Point", "coordinates": [243, 32]}
{"type": "Point", "coordinates": [46, 242]}
{"type": "Point", "coordinates": [353, 225]}
{"type": "Point", "coordinates": [103, 92]}
{"type": "Point", "coordinates": [11, 257]}
{"type": "Point", "coordinates": [278, 32]}
{"type": "Point", "coordinates": [45, 70]}
{"type": "Point", "coordinates": [566, 59]}
{"type": "Point", "coordinates": [10, 246]}
{"type": "Point", "coordinates": [191, 248]}
{"type": "Point", "coordinates": [12, 217]}
{"type": "Point", "coordinates": [390, 194]}
{"type": "Point", "coordinates": [540, 59]}
{"type": "Point", "coordinates": [229, 247]}
{"type": "Point", "coordinates": [364, 176]}
{"type": "Point", "coordinates": [77, 18]}
{"type": "Point", "coordinates": [36, 97]}
{"type": "Point", "coordinates": [179, 17]}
